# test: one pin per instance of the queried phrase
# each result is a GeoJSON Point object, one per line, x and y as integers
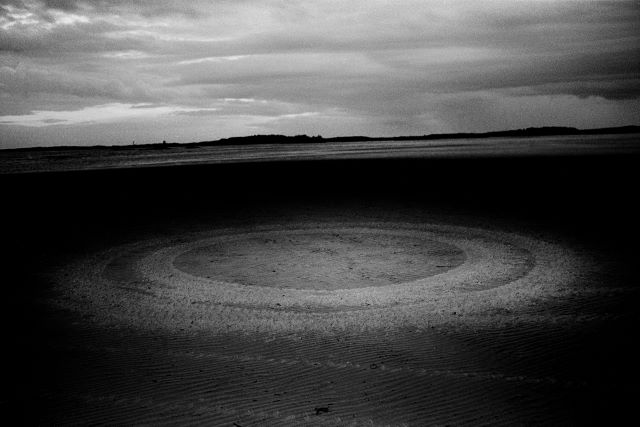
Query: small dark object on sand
{"type": "Point", "coordinates": [322, 409]}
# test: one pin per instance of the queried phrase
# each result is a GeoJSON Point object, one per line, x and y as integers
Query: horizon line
{"type": "Point", "coordinates": [521, 132]}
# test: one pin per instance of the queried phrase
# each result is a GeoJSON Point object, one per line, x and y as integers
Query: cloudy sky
{"type": "Point", "coordinates": [114, 71]}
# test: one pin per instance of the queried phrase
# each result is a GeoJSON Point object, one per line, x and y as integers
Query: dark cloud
{"type": "Point", "coordinates": [146, 8]}
{"type": "Point", "coordinates": [61, 4]}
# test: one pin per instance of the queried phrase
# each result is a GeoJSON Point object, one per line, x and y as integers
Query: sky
{"type": "Point", "coordinates": [86, 72]}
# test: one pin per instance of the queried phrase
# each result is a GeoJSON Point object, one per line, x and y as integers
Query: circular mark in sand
{"type": "Point", "coordinates": [328, 277]}
{"type": "Point", "coordinates": [320, 260]}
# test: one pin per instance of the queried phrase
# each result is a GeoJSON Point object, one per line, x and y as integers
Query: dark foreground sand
{"type": "Point", "coordinates": [341, 308]}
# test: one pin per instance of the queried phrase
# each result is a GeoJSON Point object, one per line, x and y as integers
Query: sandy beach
{"type": "Point", "coordinates": [322, 303]}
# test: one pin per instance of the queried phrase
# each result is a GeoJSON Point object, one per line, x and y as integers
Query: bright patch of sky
{"type": "Point", "coordinates": [114, 112]}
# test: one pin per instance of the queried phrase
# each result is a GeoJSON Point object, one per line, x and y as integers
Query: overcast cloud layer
{"type": "Point", "coordinates": [114, 71]}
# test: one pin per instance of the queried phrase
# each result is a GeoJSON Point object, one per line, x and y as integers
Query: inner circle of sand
{"type": "Point", "coordinates": [319, 259]}
{"type": "Point", "coordinates": [146, 284]}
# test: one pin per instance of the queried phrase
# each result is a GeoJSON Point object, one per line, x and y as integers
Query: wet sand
{"type": "Point", "coordinates": [431, 296]}
{"type": "Point", "coordinates": [70, 159]}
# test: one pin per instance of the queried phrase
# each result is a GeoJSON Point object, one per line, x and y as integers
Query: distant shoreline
{"type": "Point", "coordinates": [301, 139]}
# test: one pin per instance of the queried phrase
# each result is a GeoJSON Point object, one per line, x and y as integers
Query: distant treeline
{"type": "Point", "coordinates": [528, 132]}
{"type": "Point", "coordinates": [262, 139]}
{"type": "Point", "coordinates": [302, 139]}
